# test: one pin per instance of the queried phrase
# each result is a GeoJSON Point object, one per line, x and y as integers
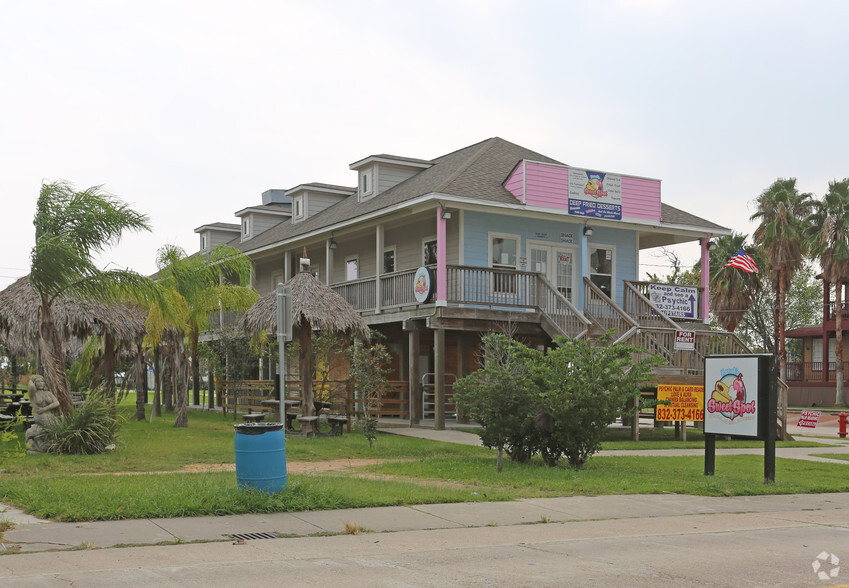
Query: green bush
{"type": "Point", "coordinates": [503, 397]}
{"type": "Point", "coordinates": [555, 404]}
{"type": "Point", "coordinates": [87, 430]}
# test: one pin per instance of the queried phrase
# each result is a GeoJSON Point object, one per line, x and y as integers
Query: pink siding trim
{"type": "Point", "coordinates": [640, 198]}
{"type": "Point", "coordinates": [441, 257]}
{"type": "Point", "coordinates": [515, 181]}
{"type": "Point", "coordinates": [548, 185]}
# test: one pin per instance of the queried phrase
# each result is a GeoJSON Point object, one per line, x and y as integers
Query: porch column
{"type": "Point", "coordinates": [584, 254]}
{"type": "Point", "coordinates": [414, 339]}
{"type": "Point", "coordinates": [328, 254]}
{"type": "Point", "coordinates": [824, 355]}
{"type": "Point", "coordinates": [826, 307]}
{"type": "Point", "coordinates": [287, 267]}
{"type": "Point", "coordinates": [378, 264]}
{"type": "Point", "coordinates": [704, 305]}
{"type": "Point", "coordinates": [439, 379]}
{"type": "Point", "coordinates": [441, 257]}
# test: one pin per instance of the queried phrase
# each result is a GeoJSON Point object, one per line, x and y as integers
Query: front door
{"type": "Point", "coordinates": [557, 264]}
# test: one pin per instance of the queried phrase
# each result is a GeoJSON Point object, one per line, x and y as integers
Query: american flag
{"type": "Point", "coordinates": [743, 261]}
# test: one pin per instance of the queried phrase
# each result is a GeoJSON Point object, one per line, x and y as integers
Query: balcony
{"type": "Point", "coordinates": [831, 311]}
{"type": "Point", "coordinates": [471, 287]}
{"type": "Point", "coordinates": [812, 371]}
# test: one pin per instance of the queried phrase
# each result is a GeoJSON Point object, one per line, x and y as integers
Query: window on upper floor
{"type": "Point", "coordinates": [504, 250]}
{"type": "Point", "coordinates": [366, 184]}
{"type": "Point", "coordinates": [298, 203]}
{"type": "Point", "coordinates": [429, 251]}
{"type": "Point", "coordinates": [602, 259]}
{"type": "Point", "coordinates": [203, 242]}
{"type": "Point", "coordinates": [246, 228]}
{"type": "Point", "coordinates": [352, 269]}
{"type": "Point", "coordinates": [389, 260]}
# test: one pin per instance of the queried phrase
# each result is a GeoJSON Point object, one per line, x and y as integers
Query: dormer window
{"type": "Point", "coordinates": [298, 202]}
{"type": "Point", "coordinates": [366, 184]}
{"type": "Point", "coordinates": [246, 228]}
{"type": "Point", "coordinates": [203, 242]}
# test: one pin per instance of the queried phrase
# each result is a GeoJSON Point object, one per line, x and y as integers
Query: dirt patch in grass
{"type": "Point", "coordinates": [292, 467]}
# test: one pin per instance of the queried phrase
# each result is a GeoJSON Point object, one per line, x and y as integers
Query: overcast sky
{"type": "Point", "coordinates": [190, 110]}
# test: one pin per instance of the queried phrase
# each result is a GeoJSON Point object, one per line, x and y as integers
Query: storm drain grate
{"type": "Point", "coordinates": [250, 536]}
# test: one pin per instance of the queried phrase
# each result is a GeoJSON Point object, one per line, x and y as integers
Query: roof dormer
{"type": "Point", "coordinates": [378, 173]}
{"type": "Point", "coordinates": [310, 199]}
{"type": "Point", "coordinates": [215, 234]}
{"type": "Point", "coordinates": [257, 219]}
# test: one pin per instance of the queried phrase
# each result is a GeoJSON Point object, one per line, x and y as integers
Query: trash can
{"type": "Point", "coordinates": [261, 456]}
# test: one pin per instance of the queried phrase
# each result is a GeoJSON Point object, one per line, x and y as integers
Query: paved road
{"type": "Point", "coordinates": [697, 541]}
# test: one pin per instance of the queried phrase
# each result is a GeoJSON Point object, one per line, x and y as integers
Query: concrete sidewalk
{"type": "Point", "coordinates": [30, 536]}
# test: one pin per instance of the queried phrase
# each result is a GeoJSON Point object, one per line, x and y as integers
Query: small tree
{"type": "Point", "coordinates": [503, 397]}
{"type": "Point", "coordinates": [587, 386]}
{"type": "Point", "coordinates": [368, 376]}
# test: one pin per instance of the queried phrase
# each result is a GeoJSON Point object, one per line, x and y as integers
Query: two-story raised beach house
{"type": "Point", "coordinates": [491, 237]}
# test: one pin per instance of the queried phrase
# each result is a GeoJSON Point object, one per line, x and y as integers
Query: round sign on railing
{"type": "Point", "coordinates": [422, 285]}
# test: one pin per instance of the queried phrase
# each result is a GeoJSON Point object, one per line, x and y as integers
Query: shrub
{"type": "Point", "coordinates": [588, 385]}
{"type": "Point", "coordinates": [503, 397]}
{"type": "Point", "coordinates": [555, 404]}
{"type": "Point", "coordinates": [368, 375]}
{"type": "Point", "coordinates": [86, 430]}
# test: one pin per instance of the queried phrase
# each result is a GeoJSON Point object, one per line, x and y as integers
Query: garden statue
{"type": "Point", "coordinates": [44, 406]}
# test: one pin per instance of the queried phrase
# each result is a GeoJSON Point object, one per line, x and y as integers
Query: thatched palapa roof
{"type": "Point", "coordinates": [313, 301]}
{"type": "Point", "coordinates": [74, 319]}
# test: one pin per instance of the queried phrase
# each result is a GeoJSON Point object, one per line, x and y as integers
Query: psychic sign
{"type": "Point", "coordinates": [675, 301]}
{"type": "Point", "coordinates": [809, 418]}
{"type": "Point", "coordinates": [685, 403]}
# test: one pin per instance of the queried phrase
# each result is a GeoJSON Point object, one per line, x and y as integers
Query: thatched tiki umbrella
{"type": "Point", "coordinates": [314, 305]}
{"type": "Point", "coordinates": [116, 323]}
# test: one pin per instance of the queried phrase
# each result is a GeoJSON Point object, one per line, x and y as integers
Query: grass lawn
{"type": "Point", "coordinates": [840, 456]}
{"type": "Point", "coordinates": [77, 488]}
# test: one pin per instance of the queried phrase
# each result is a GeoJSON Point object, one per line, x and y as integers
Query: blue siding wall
{"type": "Point", "coordinates": [476, 225]}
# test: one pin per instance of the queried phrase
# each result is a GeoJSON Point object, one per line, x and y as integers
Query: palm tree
{"type": "Point", "coordinates": [828, 234]}
{"type": "Point", "coordinates": [70, 227]}
{"type": "Point", "coordinates": [782, 210]}
{"type": "Point", "coordinates": [194, 287]}
{"type": "Point", "coordinates": [732, 291]}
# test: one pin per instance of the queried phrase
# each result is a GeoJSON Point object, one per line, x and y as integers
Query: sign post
{"type": "Point", "coordinates": [284, 334]}
{"type": "Point", "coordinates": [741, 393]}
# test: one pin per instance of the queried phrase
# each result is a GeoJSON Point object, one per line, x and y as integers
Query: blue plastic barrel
{"type": "Point", "coordinates": [261, 456]}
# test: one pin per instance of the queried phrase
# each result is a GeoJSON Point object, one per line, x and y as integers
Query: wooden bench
{"type": "Point", "coordinates": [247, 396]}
{"type": "Point", "coordinates": [309, 424]}
{"type": "Point", "coordinates": [337, 423]}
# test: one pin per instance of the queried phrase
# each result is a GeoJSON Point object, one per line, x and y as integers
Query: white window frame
{"type": "Point", "coordinates": [366, 183]}
{"type": "Point", "coordinates": [490, 263]}
{"type": "Point", "coordinates": [246, 227]}
{"type": "Point", "coordinates": [203, 242]}
{"type": "Point", "coordinates": [590, 247]}
{"type": "Point", "coordinates": [394, 251]}
{"type": "Point", "coordinates": [428, 240]}
{"type": "Point", "coordinates": [299, 203]}
{"type": "Point", "coordinates": [349, 259]}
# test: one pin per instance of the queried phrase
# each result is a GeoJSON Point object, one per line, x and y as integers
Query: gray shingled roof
{"type": "Point", "coordinates": [477, 171]}
{"type": "Point", "coordinates": [676, 216]}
